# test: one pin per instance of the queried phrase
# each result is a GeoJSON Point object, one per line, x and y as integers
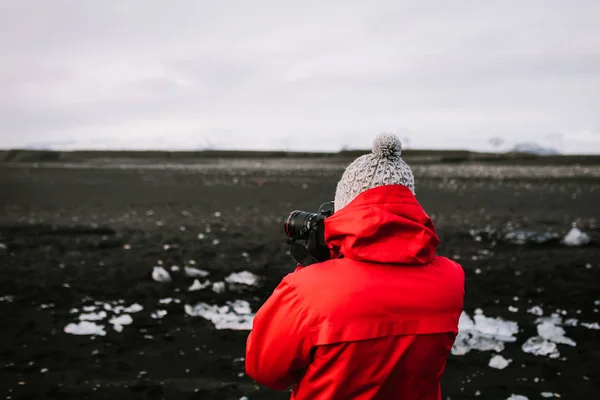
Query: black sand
{"type": "Point", "coordinates": [77, 235]}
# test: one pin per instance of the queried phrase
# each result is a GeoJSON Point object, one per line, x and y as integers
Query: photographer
{"type": "Point", "coordinates": [376, 316]}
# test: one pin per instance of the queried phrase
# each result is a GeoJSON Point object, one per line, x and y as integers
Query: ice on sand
{"type": "Point", "coordinates": [159, 314]}
{"type": "Point", "coordinates": [536, 310]}
{"type": "Point", "coordinates": [218, 287]}
{"type": "Point", "coordinates": [548, 395]}
{"type": "Point", "coordinates": [198, 286]}
{"type": "Point", "coordinates": [549, 331]}
{"type": "Point", "coordinates": [85, 328]}
{"type": "Point", "coordinates": [93, 316]}
{"type": "Point", "coordinates": [540, 347]}
{"type": "Point", "coordinates": [499, 362]}
{"type": "Point", "coordinates": [159, 274]}
{"type": "Point", "coordinates": [192, 272]}
{"type": "Point", "coordinates": [133, 308]}
{"type": "Point", "coordinates": [236, 315]}
{"type": "Point", "coordinates": [121, 320]}
{"type": "Point", "coordinates": [594, 325]}
{"type": "Point", "coordinates": [169, 300]}
{"type": "Point", "coordinates": [243, 278]}
{"type": "Point", "coordinates": [483, 333]}
{"type": "Point", "coordinates": [576, 237]}
{"type": "Point", "coordinates": [549, 335]}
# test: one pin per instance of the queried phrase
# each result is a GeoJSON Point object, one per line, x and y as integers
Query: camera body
{"type": "Point", "coordinates": [299, 224]}
{"type": "Point", "coordinates": [310, 228]}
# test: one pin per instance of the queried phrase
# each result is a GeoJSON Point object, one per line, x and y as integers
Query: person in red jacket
{"type": "Point", "coordinates": [379, 318]}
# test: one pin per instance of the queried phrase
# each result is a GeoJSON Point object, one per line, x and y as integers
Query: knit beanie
{"type": "Point", "coordinates": [383, 166]}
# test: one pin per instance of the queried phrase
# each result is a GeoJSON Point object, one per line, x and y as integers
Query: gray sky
{"type": "Point", "coordinates": [316, 75]}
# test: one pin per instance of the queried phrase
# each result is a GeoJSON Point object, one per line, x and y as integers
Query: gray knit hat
{"type": "Point", "coordinates": [383, 166]}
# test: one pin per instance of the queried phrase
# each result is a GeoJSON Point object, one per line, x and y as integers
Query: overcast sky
{"type": "Point", "coordinates": [318, 75]}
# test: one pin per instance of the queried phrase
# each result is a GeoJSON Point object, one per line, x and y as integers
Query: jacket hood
{"type": "Point", "coordinates": [385, 224]}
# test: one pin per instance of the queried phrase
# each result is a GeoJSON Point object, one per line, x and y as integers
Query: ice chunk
{"type": "Point", "coordinates": [539, 346]}
{"type": "Point", "coordinates": [93, 316]}
{"type": "Point", "coordinates": [235, 315]}
{"type": "Point", "coordinates": [517, 397]}
{"type": "Point", "coordinates": [243, 278]}
{"type": "Point", "coordinates": [576, 237]}
{"type": "Point", "coordinates": [594, 325]}
{"type": "Point", "coordinates": [218, 287]}
{"type": "Point", "coordinates": [536, 310]}
{"type": "Point", "coordinates": [547, 395]}
{"type": "Point", "coordinates": [85, 328]}
{"type": "Point", "coordinates": [198, 286]}
{"type": "Point", "coordinates": [192, 272]}
{"type": "Point", "coordinates": [571, 322]}
{"type": "Point", "coordinates": [159, 274]}
{"type": "Point", "coordinates": [514, 236]}
{"type": "Point", "coordinates": [134, 308]}
{"type": "Point", "coordinates": [499, 362]}
{"type": "Point", "coordinates": [496, 327]}
{"type": "Point", "coordinates": [483, 333]}
{"type": "Point", "coordinates": [523, 237]}
{"type": "Point", "coordinates": [158, 314]}
{"type": "Point", "coordinates": [550, 331]}
{"type": "Point", "coordinates": [121, 320]}
{"type": "Point", "coordinates": [8, 299]}
{"type": "Point", "coordinates": [513, 309]}
{"type": "Point", "coordinates": [549, 335]}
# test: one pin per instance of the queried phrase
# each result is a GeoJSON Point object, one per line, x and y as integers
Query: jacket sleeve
{"type": "Point", "coordinates": [278, 347]}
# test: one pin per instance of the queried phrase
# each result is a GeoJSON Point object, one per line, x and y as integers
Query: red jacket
{"type": "Point", "coordinates": [375, 322]}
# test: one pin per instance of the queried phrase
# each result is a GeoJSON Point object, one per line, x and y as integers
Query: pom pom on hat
{"type": "Point", "coordinates": [387, 145]}
{"type": "Point", "coordinates": [383, 166]}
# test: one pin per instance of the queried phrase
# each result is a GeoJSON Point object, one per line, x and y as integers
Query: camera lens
{"type": "Point", "coordinates": [297, 224]}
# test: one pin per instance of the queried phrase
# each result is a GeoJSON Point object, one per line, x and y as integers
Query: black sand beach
{"type": "Point", "coordinates": [88, 234]}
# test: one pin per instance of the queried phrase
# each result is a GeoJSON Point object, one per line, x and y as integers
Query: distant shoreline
{"type": "Point", "coordinates": [411, 156]}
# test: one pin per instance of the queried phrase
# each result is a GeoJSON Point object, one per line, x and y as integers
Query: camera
{"type": "Point", "coordinates": [299, 224]}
